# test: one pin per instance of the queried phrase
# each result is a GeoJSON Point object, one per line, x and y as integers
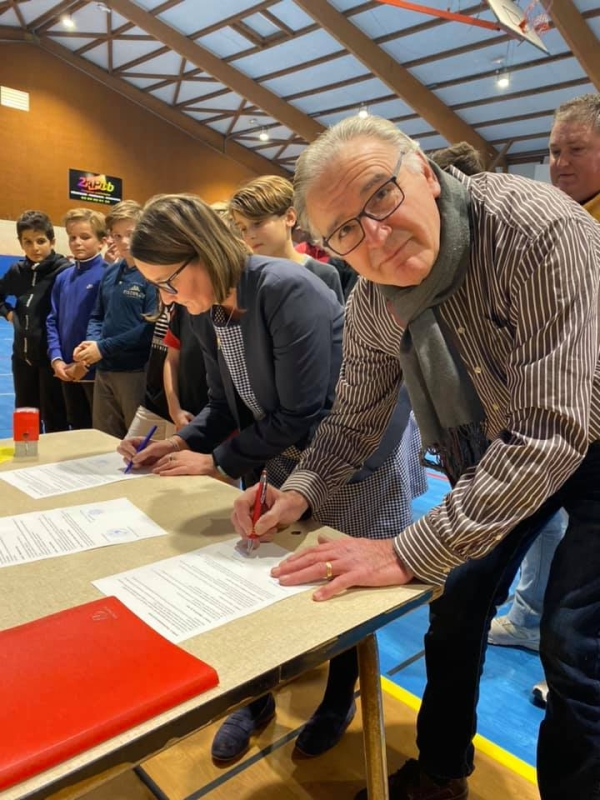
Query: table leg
{"type": "Point", "coordinates": [372, 714]}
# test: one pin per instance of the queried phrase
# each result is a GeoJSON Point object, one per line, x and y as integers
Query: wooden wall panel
{"type": "Point", "coordinates": [76, 122]}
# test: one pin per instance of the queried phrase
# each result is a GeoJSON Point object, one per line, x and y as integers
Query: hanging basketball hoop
{"type": "Point", "coordinates": [509, 17]}
{"type": "Point", "coordinates": [536, 19]}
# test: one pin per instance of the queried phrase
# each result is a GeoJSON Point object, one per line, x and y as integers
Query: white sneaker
{"type": "Point", "coordinates": [504, 633]}
{"type": "Point", "coordinates": [540, 693]}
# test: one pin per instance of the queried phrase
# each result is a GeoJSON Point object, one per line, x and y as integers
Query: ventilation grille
{"type": "Point", "coordinates": [13, 98]}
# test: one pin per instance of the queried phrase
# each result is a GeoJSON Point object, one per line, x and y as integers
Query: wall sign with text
{"type": "Point", "coordinates": [93, 188]}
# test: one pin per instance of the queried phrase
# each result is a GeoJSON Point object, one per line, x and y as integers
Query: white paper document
{"type": "Point", "coordinates": [46, 534]}
{"type": "Point", "coordinates": [47, 480]}
{"type": "Point", "coordinates": [186, 595]}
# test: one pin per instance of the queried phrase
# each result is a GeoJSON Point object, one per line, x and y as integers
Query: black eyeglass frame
{"type": "Point", "coordinates": [166, 285]}
{"type": "Point", "coordinates": [365, 213]}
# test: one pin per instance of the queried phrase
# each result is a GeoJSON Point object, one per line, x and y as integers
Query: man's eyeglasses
{"type": "Point", "coordinates": [167, 285]}
{"type": "Point", "coordinates": [380, 205]}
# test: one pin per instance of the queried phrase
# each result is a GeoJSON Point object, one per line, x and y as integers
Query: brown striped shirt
{"type": "Point", "coordinates": [526, 324]}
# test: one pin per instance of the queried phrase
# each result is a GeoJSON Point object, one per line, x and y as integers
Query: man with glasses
{"type": "Point", "coordinates": [481, 294]}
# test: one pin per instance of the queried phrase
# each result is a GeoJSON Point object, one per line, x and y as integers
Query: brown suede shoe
{"type": "Point", "coordinates": [409, 783]}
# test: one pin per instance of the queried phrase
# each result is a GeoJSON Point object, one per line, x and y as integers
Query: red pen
{"type": "Point", "coordinates": [260, 506]}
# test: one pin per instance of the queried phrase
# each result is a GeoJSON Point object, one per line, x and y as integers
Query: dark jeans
{"type": "Point", "coordinates": [36, 386]}
{"type": "Point", "coordinates": [455, 644]}
{"type": "Point", "coordinates": [79, 396]}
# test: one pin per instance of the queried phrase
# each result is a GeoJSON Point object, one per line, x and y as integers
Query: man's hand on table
{"type": "Point", "coordinates": [350, 562]}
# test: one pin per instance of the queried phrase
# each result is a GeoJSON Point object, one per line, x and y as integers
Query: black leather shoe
{"type": "Point", "coordinates": [323, 730]}
{"type": "Point", "coordinates": [233, 737]}
{"type": "Point", "coordinates": [410, 783]}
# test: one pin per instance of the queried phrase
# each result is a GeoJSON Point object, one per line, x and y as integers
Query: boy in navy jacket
{"type": "Point", "coordinates": [119, 334]}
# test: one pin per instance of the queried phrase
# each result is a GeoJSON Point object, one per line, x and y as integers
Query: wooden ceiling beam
{"type": "Point", "coordinates": [201, 133]}
{"type": "Point", "coordinates": [230, 20]}
{"type": "Point", "coordinates": [441, 85]}
{"type": "Point", "coordinates": [501, 157]}
{"type": "Point", "coordinates": [51, 15]}
{"type": "Point", "coordinates": [278, 22]}
{"type": "Point", "coordinates": [19, 14]}
{"type": "Point", "coordinates": [578, 35]}
{"type": "Point", "coordinates": [119, 32]}
{"type": "Point", "coordinates": [397, 77]}
{"type": "Point", "coordinates": [528, 157]}
{"type": "Point", "coordinates": [160, 51]}
{"type": "Point", "coordinates": [10, 33]}
{"type": "Point", "coordinates": [525, 138]}
{"type": "Point", "coordinates": [69, 7]}
{"type": "Point", "coordinates": [553, 87]}
{"type": "Point", "coordinates": [100, 38]}
{"type": "Point", "coordinates": [388, 37]}
{"type": "Point", "coordinates": [243, 85]}
{"type": "Point", "coordinates": [193, 76]}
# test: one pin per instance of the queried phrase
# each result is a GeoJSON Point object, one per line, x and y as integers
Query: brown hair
{"type": "Point", "coordinates": [126, 209]}
{"type": "Point", "coordinates": [96, 219]}
{"type": "Point", "coordinates": [461, 155]}
{"type": "Point", "coordinates": [262, 197]}
{"type": "Point", "coordinates": [176, 227]}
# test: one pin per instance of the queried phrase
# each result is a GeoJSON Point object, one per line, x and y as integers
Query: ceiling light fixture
{"type": "Point", "coordinates": [502, 80]}
{"type": "Point", "coordinates": [68, 22]}
{"type": "Point", "coordinates": [363, 111]}
{"type": "Point", "coordinates": [264, 135]}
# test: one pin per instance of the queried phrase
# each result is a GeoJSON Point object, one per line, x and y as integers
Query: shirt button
{"type": "Point", "coordinates": [460, 330]}
{"type": "Point", "coordinates": [495, 406]}
{"type": "Point", "coordinates": [498, 538]}
{"type": "Point", "coordinates": [478, 370]}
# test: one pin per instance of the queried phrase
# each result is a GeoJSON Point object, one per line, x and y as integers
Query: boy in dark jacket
{"type": "Point", "coordinates": [30, 281]}
{"type": "Point", "coordinates": [119, 333]}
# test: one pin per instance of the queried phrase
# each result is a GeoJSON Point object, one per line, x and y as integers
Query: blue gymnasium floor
{"type": "Point", "coordinates": [7, 395]}
{"type": "Point", "coordinates": [507, 717]}
{"type": "Point", "coordinates": [508, 721]}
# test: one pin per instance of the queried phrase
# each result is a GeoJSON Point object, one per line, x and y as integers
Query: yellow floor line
{"type": "Point", "coordinates": [482, 744]}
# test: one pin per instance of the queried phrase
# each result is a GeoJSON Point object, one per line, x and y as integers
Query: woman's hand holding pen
{"type": "Point", "coordinates": [283, 508]}
{"type": "Point", "coordinates": [148, 457]}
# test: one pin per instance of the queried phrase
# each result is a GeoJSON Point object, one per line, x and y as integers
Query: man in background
{"type": "Point", "coordinates": [575, 151]}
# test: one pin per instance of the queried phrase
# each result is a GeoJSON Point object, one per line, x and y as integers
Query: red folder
{"type": "Point", "coordinates": [73, 679]}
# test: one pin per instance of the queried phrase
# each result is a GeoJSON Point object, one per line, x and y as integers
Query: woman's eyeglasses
{"type": "Point", "coordinates": [166, 285]}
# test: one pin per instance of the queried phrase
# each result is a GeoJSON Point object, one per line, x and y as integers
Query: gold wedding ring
{"type": "Point", "coordinates": [328, 571]}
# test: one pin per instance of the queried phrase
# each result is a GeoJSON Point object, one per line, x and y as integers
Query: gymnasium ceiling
{"type": "Point", "coordinates": [229, 71]}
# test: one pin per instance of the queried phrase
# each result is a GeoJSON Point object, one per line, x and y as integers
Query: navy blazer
{"type": "Point", "coordinates": [292, 332]}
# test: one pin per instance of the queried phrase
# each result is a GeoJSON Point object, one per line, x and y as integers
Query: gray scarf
{"type": "Point", "coordinates": [449, 412]}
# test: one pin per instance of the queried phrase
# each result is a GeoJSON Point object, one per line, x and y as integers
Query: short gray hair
{"type": "Point", "coordinates": [584, 109]}
{"type": "Point", "coordinates": [318, 156]}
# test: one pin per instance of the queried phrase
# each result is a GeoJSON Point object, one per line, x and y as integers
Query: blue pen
{"type": "Point", "coordinates": [142, 446]}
